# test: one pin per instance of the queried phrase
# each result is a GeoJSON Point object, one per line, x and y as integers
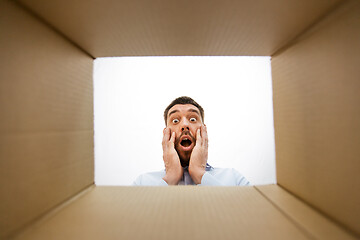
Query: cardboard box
{"type": "Point", "coordinates": [46, 113]}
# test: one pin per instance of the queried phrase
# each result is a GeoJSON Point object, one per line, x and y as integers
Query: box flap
{"type": "Point", "coordinates": [317, 116]}
{"type": "Point", "coordinates": [186, 28]}
{"type": "Point", "coordinates": [180, 212]}
{"type": "Point", "coordinates": [313, 222]}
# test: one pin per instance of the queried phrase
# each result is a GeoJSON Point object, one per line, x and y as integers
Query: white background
{"type": "Point", "coordinates": [131, 93]}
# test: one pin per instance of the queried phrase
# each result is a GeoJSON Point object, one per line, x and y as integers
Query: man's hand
{"type": "Point", "coordinates": [174, 171]}
{"type": "Point", "coordinates": [199, 155]}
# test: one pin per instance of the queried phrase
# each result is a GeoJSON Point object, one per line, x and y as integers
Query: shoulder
{"type": "Point", "coordinates": [229, 175]}
{"type": "Point", "coordinates": [150, 179]}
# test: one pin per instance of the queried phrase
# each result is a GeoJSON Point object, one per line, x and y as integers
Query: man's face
{"type": "Point", "coordinates": [184, 120]}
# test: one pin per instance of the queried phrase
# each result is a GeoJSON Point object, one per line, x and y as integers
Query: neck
{"type": "Point", "coordinates": [184, 163]}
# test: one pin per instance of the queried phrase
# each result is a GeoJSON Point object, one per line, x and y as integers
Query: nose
{"type": "Point", "coordinates": [185, 129]}
{"type": "Point", "coordinates": [185, 125]}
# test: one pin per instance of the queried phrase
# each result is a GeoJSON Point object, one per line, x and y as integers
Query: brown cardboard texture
{"type": "Point", "coordinates": [316, 225]}
{"type": "Point", "coordinates": [317, 115]}
{"type": "Point", "coordinates": [185, 28]}
{"type": "Point", "coordinates": [46, 118]}
{"type": "Point", "coordinates": [168, 213]}
{"type": "Point", "coordinates": [46, 123]}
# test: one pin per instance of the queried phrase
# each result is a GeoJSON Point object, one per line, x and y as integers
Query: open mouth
{"type": "Point", "coordinates": [186, 143]}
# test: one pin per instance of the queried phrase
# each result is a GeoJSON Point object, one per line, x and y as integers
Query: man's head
{"type": "Point", "coordinates": [183, 100]}
{"type": "Point", "coordinates": [184, 116]}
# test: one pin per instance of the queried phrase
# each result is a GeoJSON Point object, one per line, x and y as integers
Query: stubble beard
{"type": "Point", "coordinates": [184, 156]}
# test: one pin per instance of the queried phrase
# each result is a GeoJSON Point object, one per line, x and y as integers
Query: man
{"type": "Point", "coordinates": [185, 151]}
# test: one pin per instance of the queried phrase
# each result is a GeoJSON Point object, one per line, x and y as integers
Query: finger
{"type": "Point", "coordinates": [198, 138]}
{"type": "Point", "coordinates": [172, 139]}
{"type": "Point", "coordinates": [205, 136]}
{"type": "Point", "coordinates": [166, 135]}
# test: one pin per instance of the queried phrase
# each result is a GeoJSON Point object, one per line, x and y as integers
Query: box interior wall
{"type": "Point", "coordinates": [46, 107]}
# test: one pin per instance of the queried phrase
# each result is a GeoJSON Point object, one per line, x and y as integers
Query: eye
{"type": "Point", "coordinates": [192, 119]}
{"type": "Point", "coordinates": [175, 120]}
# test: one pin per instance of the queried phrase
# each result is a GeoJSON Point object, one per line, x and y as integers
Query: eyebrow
{"type": "Point", "coordinates": [194, 110]}
{"type": "Point", "coordinates": [190, 110]}
{"type": "Point", "coordinates": [174, 111]}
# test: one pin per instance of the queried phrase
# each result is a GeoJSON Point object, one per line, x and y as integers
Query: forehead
{"type": "Point", "coordinates": [183, 108]}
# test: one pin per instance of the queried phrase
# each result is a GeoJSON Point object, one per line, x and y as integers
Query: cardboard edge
{"type": "Point", "coordinates": [331, 15]}
{"type": "Point", "coordinates": [50, 26]}
{"type": "Point", "coordinates": [97, 194]}
{"type": "Point", "coordinates": [51, 213]}
{"type": "Point", "coordinates": [308, 219]}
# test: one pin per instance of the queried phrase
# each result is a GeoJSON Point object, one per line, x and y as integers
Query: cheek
{"type": "Point", "coordinates": [176, 129]}
{"type": "Point", "coordinates": [195, 128]}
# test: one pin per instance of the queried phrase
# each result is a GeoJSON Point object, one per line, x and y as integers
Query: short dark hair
{"type": "Point", "coordinates": [183, 100]}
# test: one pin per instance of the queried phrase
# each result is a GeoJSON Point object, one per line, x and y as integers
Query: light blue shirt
{"type": "Point", "coordinates": [211, 177]}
